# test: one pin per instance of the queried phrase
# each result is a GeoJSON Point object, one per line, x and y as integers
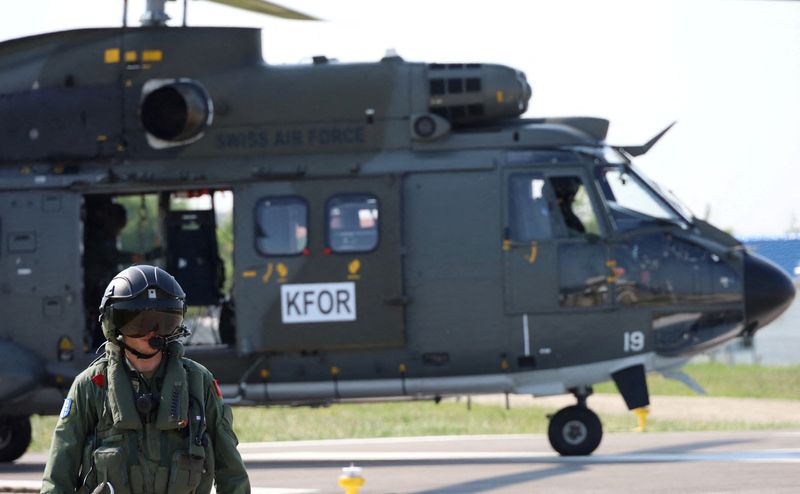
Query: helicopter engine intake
{"type": "Point", "coordinates": [175, 112]}
{"type": "Point", "coordinates": [473, 93]}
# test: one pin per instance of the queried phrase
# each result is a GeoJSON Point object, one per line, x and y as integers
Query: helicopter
{"type": "Point", "coordinates": [400, 230]}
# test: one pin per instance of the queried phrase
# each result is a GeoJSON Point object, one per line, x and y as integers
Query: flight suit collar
{"type": "Point", "coordinates": [173, 394]}
{"type": "Point", "coordinates": [120, 394]}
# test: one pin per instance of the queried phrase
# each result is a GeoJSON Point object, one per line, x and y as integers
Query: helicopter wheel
{"type": "Point", "coordinates": [575, 431]}
{"type": "Point", "coordinates": [15, 437]}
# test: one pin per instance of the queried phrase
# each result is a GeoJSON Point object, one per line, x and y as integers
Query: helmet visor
{"type": "Point", "coordinates": [135, 319]}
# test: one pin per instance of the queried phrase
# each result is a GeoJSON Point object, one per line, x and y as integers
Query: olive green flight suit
{"type": "Point", "coordinates": [185, 445]}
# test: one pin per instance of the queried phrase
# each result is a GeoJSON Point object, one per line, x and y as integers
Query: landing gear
{"type": "Point", "coordinates": [15, 436]}
{"type": "Point", "coordinates": [575, 430]}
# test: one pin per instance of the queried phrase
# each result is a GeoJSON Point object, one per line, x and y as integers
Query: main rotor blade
{"type": "Point", "coordinates": [269, 8]}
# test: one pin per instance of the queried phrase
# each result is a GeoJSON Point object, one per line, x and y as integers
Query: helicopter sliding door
{"type": "Point", "coordinates": [553, 256]}
{"type": "Point", "coordinates": [318, 265]}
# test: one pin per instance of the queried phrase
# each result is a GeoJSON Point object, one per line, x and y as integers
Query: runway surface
{"type": "Point", "coordinates": [741, 462]}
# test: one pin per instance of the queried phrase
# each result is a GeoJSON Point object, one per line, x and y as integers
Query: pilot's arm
{"type": "Point", "coordinates": [229, 471]}
{"type": "Point", "coordinates": [76, 421]}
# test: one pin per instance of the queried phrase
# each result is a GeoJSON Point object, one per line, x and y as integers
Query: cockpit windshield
{"type": "Point", "coordinates": [633, 201]}
{"type": "Point", "coordinates": [669, 196]}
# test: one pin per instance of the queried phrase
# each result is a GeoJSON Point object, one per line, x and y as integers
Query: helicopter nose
{"type": "Point", "coordinates": [768, 291]}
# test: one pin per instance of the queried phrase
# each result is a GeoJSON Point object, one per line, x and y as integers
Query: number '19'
{"type": "Point", "coordinates": [634, 341]}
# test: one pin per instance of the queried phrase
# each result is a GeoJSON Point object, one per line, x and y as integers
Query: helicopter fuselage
{"type": "Point", "coordinates": [398, 230]}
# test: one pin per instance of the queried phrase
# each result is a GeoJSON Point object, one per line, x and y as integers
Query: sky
{"type": "Point", "coordinates": [728, 71]}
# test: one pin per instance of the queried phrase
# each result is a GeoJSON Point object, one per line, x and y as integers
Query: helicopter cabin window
{"type": "Point", "coordinates": [352, 221]}
{"type": "Point", "coordinates": [631, 202]}
{"type": "Point", "coordinates": [281, 226]}
{"type": "Point", "coordinates": [529, 212]}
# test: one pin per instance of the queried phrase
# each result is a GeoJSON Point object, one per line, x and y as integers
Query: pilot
{"type": "Point", "coordinates": [566, 188]}
{"type": "Point", "coordinates": [142, 417]}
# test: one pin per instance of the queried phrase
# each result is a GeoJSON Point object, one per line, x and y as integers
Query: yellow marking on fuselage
{"type": "Point", "coordinates": [534, 252]}
{"type": "Point", "coordinates": [267, 274]}
{"type": "Point", "coordinates": [65, 344]}
{"type": "Point", "coordinates": [152, 56]}
{"type": "Point", "coordinates": [111, 55]}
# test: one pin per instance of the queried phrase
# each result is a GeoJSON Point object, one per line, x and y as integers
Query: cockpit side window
{"type": "Point", "coordinates": [543, 207]}
{"type": "Point", "coordinates": [281, 226]}
{"type": "Point", "coordinates": [630, 202]}
{"type": "Point", "coordinates": [530, 207]}
{"type": "Point", "coordinates": [574, 206]}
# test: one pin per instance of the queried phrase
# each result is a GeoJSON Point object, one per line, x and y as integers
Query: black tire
{"type": "Point", "coordinates": [575, 431]}
{"type": "Point", "coordinates": [15, 437]}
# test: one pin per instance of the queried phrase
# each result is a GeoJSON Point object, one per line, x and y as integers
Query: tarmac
{"type": "Point", "coordinates": [691, 462]}
{"type": "Point", "coordinates": [741, 462]}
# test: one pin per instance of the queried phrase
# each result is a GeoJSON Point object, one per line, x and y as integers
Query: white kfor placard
{"type": "Point", "coordinates": [318, 302]}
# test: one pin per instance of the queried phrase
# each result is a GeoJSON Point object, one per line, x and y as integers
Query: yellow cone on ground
{"type": "Point", "coordinates": [351, 479]}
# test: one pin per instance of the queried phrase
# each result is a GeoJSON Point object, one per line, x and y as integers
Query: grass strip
{"type": "Point", "coordinates": [411, 419]}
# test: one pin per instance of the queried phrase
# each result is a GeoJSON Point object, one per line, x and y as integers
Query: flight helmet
{"type": "Point", "coordinates": [141, 299]}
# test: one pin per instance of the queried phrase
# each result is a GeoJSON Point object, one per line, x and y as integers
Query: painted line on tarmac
{"type": "Point", "coordinates": [379, 440]}
{"type": "Point", "coordinates": [349, 456]}
{"type": "Point", "coordinates": [36, 486]}
{"type": "Point", "coordinates": [766, 456]}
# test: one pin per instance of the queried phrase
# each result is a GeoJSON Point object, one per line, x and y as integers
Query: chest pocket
{"type": "Point", "coordinates": [111, 464]}
{"type": "Point", "coordinates": [186, 472]}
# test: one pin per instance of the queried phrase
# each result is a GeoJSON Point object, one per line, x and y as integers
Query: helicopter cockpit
{"type": "Point", "coordinates": [613, 239]}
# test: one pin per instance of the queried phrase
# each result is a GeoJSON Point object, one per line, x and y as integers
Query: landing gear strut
{"type": "Point", "coordinates": [15, 436]}
{"type": "Point", "coordinates": [575, 430]}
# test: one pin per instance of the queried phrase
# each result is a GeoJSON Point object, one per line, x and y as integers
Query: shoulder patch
{"type": "Point", "coordinates": [216, 387]}
{"type": "Point", "coordinates": [99, 380]}
{"type": "Point", "coordinates": [66, 408]}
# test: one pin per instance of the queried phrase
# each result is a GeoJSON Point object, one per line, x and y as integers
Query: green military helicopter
{"type": "Point", "coordinates": [399, 230]}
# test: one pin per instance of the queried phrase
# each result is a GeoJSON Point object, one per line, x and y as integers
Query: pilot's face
{"type": "Point", "coordinates": [140, 344]}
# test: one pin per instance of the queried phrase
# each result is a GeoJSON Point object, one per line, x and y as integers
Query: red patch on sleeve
{"type": "Point", "coordinates": [99, 380]}
{"type": "Point", "coordinates": [216, 387]}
